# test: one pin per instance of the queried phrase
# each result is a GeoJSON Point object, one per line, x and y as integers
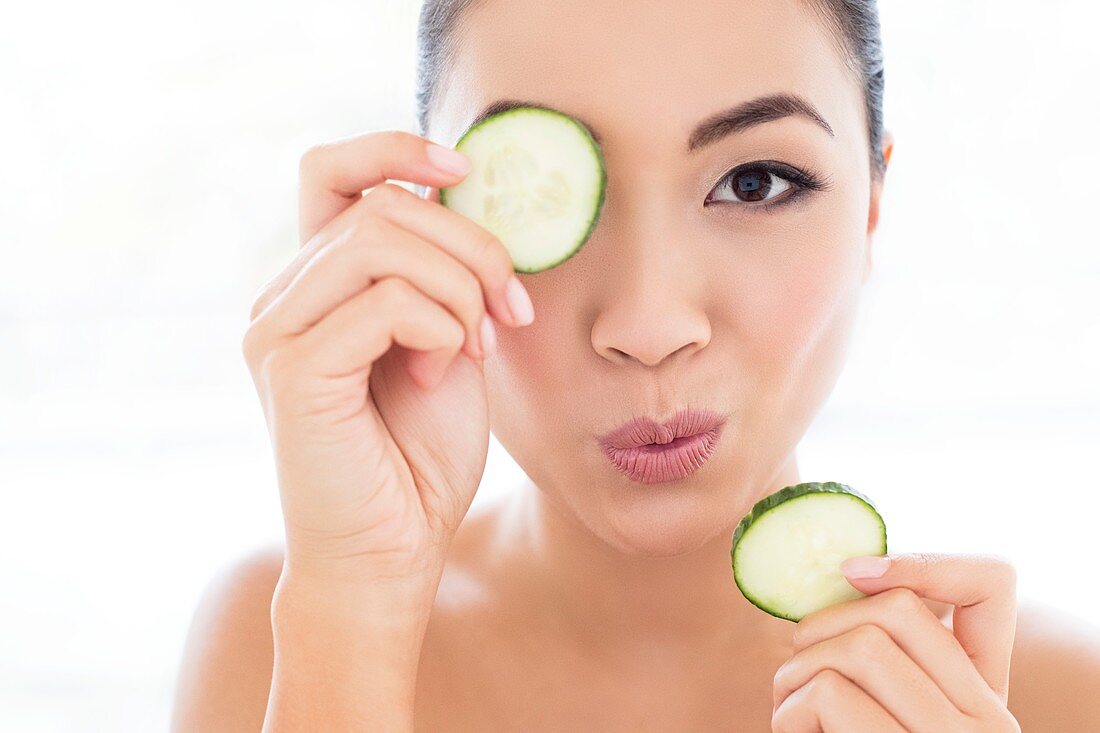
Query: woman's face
{"type": "Point", "coordinates": [672, 303]}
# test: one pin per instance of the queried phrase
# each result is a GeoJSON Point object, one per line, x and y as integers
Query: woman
{"type": "Point", "coordinates": [746, 160]}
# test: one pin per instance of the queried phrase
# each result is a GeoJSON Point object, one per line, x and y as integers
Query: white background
{"type": "Point", "coordinates": [148, 189]}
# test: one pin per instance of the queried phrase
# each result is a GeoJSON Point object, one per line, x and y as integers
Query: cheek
{"type": "Point", "coordinates": [534, 367]}
{"type": "Point", "coordinates": [794, 324]}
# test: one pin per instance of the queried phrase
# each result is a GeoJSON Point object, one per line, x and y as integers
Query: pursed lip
{"type": "Point", "coordinates": [645, 430]}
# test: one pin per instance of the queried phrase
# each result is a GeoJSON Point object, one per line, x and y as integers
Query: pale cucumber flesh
{"type": "Point", "coordinates": [537, 183]}
{"type": "Point", "coordinates": [787, 551]}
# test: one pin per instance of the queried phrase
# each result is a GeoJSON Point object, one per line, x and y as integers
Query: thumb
{"type": "Point", "coordinates": [981, 587]}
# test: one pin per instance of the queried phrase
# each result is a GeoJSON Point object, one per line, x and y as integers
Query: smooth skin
{"type": "Point", "coordinates": [888, 662]}
{"type": "Point", "coordinates": [581, 600]}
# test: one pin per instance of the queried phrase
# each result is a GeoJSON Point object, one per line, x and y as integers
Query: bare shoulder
{"type": "Point", "coordinates": [1054, 682]}
{"type": "Point", "coordinates": [468, 622]}
{"type": "Point", "coordinates": [224, 675]}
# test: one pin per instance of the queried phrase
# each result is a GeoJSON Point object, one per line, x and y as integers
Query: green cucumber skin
{"type": "Point", "coordinates": [779, 497]}
{"type": "Point", "coordinates": [603, 175]}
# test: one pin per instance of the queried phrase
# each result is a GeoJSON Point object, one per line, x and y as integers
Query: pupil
{"type": "Point", "coordinates": [753, 184]}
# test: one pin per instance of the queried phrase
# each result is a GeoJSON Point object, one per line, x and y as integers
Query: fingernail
{"type": "Point", "coordinates": [488, 335]}
{"type": "Point", "coordinates": [519, 302]}
{"type": "Point", "coordinates": [865, 567]}
{"type": "Point", "coordinates": [448, 160]}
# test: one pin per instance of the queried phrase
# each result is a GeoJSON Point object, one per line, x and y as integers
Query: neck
{"type": "Point", "coordinates": [606, 597]}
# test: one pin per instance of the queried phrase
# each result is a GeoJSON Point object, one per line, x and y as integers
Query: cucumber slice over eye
{"type": "Point", "coordinates": [787, 550]}
{"type": "Point", "coordinates": [537, 182]}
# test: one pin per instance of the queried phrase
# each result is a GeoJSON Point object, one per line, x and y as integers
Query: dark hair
{"type": "Point", "coordinates": [853, 25]}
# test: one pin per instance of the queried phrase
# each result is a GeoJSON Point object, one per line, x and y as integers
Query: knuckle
{"type": "Point", "coordinates": [275, 367]}
{"type": "Point", "coordinates": [902, 601]}
{"type": "Point", "coordinates": [1005, 569]}
{"type": "Point", "coordinates": [780, 673]}
{"type": "Point", "coordinates": [257, 308]}
{"type": "Point", "coordinates": [386, 197]}
{"type": "Point", "coordinates": [263, 298]}
{"type": "Point", "coordinates": [309, 159]}
{"type": "Point", "coordinates": [785, 715]}
{"type": "Point", "coordinates": [395, 292]}
{"type": "Point", "coordinates": [391, 136]}
{"type": "Point", "coordinates": [250, 346]}
{"type": "Point", "coordinates": [472, 299]}
{"type": "Point", "coordinates": [493, 252]}
{"type": "Point", "coordinates": [367, 228]}
{"type": "Point", "coordinates": [869, 640]}
{"type": "Point", "coordinates": [781, 720]}
{"type": "Point", "coordinates": [825, 686]}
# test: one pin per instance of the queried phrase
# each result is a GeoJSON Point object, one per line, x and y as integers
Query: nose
{"type": "Point", "coordinates": [652, 311]}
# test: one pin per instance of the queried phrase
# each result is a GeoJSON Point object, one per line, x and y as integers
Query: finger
{"type": "Point", "coordinates": [428, 368]}
{"type": "Point", "coordinates": [430, 193]}
{"type": "Point", "coordinates": [464, 239]}
{"type": "Point", "coordinates": [868, 656]}
{"type": "Point", "coordinates": [982, 589]}
{"type": "Point", "coordinates": [916, 630]}
{"type": "Point", "coordinates": [333, 175]}
{"type": "Point", "coordinates": [375, 248]}
{"type": "Point", "coordinates": [352, 337]}
{"type": "Point", "coordinates": [831, 703]}
{"type": "Point", "coordinates": [469, 243]}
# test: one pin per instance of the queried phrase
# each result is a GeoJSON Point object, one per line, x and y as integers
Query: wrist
{"type": "Point", "coordinates": [345, 565]}
{"type": "Point", "coordinates": [363, 598]}
{"type": "Point", "coordinates": [345, 655]}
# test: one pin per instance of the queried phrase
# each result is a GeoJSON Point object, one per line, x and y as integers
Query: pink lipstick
{"type": "Point", "coordinates": [651, 452]}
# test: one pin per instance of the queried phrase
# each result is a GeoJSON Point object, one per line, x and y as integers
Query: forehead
{"type": "Point", "coordinates": [633, 68]}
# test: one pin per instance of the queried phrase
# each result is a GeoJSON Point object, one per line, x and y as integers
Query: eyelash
{"type": "Point", "coordinates": [803, 182]}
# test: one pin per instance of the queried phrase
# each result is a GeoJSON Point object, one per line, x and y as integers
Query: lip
{"type": "Point", "coordinates": [649, 451]}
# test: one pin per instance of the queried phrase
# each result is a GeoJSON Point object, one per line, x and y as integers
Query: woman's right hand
{"type": "Point", "coordinates": [365, 352]}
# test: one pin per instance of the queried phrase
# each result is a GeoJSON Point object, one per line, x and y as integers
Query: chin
{"type": "Point", "coordinates": [667, 519]}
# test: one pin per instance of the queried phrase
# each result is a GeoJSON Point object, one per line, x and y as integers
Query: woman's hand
{"type": "Point", "coordinates": [885, 662]}
{"type": "Point", "coordinates": [366, 354]}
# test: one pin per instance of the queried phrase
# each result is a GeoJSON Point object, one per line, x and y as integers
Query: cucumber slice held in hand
{"type": "Point", "coordinates": [787, 550]}
{"type": "Point", "coordinates": [537, 182]}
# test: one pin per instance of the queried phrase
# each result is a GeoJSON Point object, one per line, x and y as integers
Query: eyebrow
{"type": "Point", "coordinates": [726, 122]}
{"type": "Point", "coordinates": [754, 112]}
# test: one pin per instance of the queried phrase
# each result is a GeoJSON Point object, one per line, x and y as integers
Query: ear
{"type": "Point", "coordinates": [876, 196]}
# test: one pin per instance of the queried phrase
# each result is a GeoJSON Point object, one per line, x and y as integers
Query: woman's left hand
{"type": "Point", "coordinates": [885, 662]}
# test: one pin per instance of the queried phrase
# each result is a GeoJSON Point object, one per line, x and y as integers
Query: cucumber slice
{"type": "Point", "coordinates": [787, 550]}
{"type": "Point", "coordinates": [537, 183]}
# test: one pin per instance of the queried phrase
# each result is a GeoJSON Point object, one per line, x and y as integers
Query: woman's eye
{"type": "Point", "coordinates": [762, 184]}
{"type": "Point", "coordinates": [751, 184]}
